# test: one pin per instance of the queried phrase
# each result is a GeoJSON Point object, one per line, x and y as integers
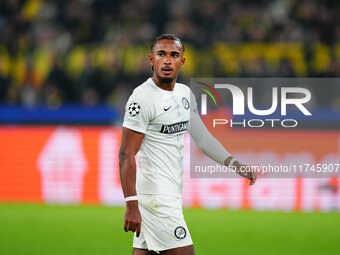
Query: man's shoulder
{"type": "Point", "coordinates": [143, 91]}
{"type": "Point", "coordinates": [182, 87]}
{"type": "Point", "coordinates": [142, 88]}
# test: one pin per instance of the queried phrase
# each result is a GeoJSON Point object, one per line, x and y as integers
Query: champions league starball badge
{"type": "Point", "coordinates": [180, 232]}
{"type": "Point", "coordinates": [134, 109]}
{"type": "Point", "coordinates": [185, 103]}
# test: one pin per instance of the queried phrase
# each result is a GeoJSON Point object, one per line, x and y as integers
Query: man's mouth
{"type": "Point", "coordinates": [166, 70]}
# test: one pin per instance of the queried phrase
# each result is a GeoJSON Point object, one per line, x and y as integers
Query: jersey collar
{"type": "Point", "coordinates": [150, 81]}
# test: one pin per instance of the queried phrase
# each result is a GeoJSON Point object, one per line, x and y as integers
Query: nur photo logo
{"type": "Point", "coordinates": [282, 99]}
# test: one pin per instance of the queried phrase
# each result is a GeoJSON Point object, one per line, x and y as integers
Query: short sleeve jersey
{"type": "Point", "coordinates": [163, 116]}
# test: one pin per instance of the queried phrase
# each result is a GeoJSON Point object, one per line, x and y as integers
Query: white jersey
{"type": "Point", "coordinates": [163, 116]}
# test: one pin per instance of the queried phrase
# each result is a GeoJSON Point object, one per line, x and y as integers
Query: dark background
{"type": "Point", "coordinates": [77, 61]}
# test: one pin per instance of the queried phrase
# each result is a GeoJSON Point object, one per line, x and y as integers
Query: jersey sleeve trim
{"type": "Point", "coordinates": [134, 128]}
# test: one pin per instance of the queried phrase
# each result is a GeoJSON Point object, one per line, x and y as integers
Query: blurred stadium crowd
{"type": "Point", "coordinates": [94, 51]}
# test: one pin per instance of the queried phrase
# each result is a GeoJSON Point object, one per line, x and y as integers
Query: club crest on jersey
{"type": "Point", "coordinates": [185, 103]}
{"type": "Point", "coordinates": [174, 128]}
{"type": "Point", "coordinates": [180, 232]}
{"type": "Point", "coordinates": [134, 109]}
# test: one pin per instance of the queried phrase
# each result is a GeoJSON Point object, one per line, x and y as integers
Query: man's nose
{"type": "Point", "coordinates": [167, 60]}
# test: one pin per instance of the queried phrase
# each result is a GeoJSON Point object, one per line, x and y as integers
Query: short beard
{"type": "Point", "coordinates": [166, 80]}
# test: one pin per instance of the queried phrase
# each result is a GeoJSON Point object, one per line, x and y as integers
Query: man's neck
{"type": "Point", "coordinates": [164, 85]}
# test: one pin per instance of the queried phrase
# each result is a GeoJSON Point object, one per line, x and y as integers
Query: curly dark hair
{"type": "Point", "coordinates": [167, 36]}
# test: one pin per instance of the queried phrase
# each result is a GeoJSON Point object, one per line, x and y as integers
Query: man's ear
{"type": "Point", "coordinates": [183, 60]}
{"type": "Point", "coordinates": [150, 59]}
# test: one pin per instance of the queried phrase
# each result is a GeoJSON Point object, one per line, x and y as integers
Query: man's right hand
{"type": "Point", "coordinates": [132, 218]}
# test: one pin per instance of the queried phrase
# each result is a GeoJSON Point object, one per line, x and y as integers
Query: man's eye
{"type": "Point", "coordinates": [175, 55]}
{"type": "Point", "coordinates": [160, 53]}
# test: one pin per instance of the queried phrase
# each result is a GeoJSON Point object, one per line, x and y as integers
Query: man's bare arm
{"type": "Point", "coordinates": [131, 142]}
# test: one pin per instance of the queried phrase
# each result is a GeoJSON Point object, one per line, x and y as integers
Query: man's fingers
{"type": "Point", "coordinates": [131, 227]}
{"type": "Point", "coordinates": [134, 226]}
{"type": "Point", "coordinates": [138, 230]}
{"type": "Point", "coordinates": [252, 178]}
